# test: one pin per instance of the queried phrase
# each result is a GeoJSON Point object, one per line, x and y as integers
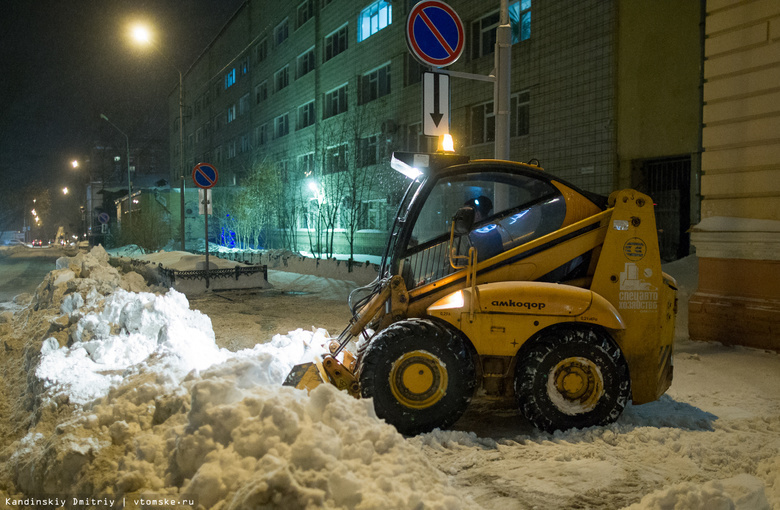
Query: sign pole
{"type": "Point", "coordinates": [205, 177]}
{"type": "Point", "coordinates": [206, 194]}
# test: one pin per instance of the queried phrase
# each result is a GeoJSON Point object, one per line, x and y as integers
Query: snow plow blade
{"type": "Point", "coordinates": [305, 376]}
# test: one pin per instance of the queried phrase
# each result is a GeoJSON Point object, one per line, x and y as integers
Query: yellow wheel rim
{"type": "Point", "coordinates": [575, 385]}
{"type": "Point", "coordinates": [418, 379]}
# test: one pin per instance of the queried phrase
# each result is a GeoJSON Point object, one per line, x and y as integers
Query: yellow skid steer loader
{"type": "Point", "coordinates": [502, 277]}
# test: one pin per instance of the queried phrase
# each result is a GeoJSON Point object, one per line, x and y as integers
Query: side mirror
{"type": "Point", "coordinates": [463, 220]}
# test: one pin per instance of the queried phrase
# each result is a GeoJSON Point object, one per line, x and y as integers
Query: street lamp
{"type": "Point", "coordinates": [129, 184]}
{"type": "Point", "coordinates": [143, 35]}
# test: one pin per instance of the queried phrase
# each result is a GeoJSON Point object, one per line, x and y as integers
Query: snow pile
{"type": "Point", "coordinates": [138, 400]}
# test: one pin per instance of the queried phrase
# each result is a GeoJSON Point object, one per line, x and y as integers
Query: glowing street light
{"type": "Point", "coordinates": [74, 163]}
{"type": "Point", "coordinates": [65, 190]}
{"type": "Point", "coordinates": [143, 35]}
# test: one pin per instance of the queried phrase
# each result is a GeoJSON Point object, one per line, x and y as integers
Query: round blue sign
{"type": "Point", "coordinates": [434, 33]}
{"type": "Point", "coordinates": [205, 175]}
{"type": "Point", "coordinates": [103, 218]}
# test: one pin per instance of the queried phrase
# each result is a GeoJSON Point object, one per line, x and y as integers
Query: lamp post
{"type": "Point", "coordinates": [142, 35]}
{"type": "Point", "coordinates": [129, 184]}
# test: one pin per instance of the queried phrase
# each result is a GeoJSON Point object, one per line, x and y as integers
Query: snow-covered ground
{"type": "Point", "coordinates": [113, 390]}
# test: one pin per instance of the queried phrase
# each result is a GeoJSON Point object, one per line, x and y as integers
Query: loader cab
{"type": "Point", "coordinates": [512, 204]}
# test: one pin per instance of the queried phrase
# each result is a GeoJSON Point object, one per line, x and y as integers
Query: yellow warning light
{"type": "Point", "coordinates": [446, 144]}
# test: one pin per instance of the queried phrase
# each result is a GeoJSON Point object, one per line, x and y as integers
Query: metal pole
{"type": "Point", "coordinates": [206, 196]}
{"type": "Point", "coordinates": [181, 154]}
{"type": "Point", "coordinates": [502, 87]}
{"type": "Point", "coordinates": [129, 186]}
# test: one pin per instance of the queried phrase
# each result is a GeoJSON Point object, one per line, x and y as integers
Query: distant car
{"type": "Point", "coordinates": [37, 242]}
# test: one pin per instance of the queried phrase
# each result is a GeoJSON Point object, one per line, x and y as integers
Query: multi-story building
{"type": "Point", "coordinates": [604, 93]}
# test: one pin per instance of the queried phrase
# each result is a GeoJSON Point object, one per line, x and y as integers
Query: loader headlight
{"type": "Point", "coordinates": [454, 300]}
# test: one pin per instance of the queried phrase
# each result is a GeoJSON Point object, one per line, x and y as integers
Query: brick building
{"type": "Point", "coordinates": [605, 94]}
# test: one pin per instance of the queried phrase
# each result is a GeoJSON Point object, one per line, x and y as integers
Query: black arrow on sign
{"type": "Point", "coordinates": [436, 115]}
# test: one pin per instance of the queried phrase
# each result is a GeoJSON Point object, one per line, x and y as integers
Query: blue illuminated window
{"type": "Point", "coordinates": [374, 18]}
{"type": "Point", "coordinates": [230, 78]}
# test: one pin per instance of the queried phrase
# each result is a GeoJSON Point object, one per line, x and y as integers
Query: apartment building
{"type": "Point", "coordinates": [605, 94]}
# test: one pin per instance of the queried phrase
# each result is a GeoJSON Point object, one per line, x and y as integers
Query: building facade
{"type": "Point", "coordinates": [320, 92]}
{"type": "Point", "coordinates": [738, 238]}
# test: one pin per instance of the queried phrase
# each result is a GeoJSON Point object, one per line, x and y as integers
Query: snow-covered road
{"type": "Point", "coordinates": [163, 419]}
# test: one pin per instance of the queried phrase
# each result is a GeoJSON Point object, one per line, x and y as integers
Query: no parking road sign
{"type": "Point", "coordinates": [434, 33]}
{"type": "Point", "coordinates": [204, 175]}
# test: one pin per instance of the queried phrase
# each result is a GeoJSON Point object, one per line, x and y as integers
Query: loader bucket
{"type": "Point", "coordinates": [305, 376]}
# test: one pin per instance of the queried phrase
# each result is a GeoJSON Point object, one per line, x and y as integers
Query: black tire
{"type": "Point", "coordinates": [572, 377]}
{"type": "Point", "coordinates": [420, 374]}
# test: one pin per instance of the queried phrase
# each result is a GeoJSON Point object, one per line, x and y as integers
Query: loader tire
{"type": "Point", "coordinates": [420, 374]}
{"type": "Point", "coordinates": [572, 377]}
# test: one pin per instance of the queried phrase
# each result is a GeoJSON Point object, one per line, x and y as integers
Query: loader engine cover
{"type": "Point", "coordinates": [535, 298]}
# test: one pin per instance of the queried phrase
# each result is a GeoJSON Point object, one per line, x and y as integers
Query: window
{"type": "Point", "coordinates": [305, 115]}
{"type": "Point", "coordinates": [375, 214]}
{"type": "Point", "coordinates": [483, 30]}
{"type": "Point", "coordinates": [375, 84]}
{"type": "Point", "coordinates": [261, 134]}
{"type": "Point", "coordinates": [243, 104]}
{"type": "Point", "coordinates": [335, 102]}
{"type": "Point", "coordinates": [231, 113]}
{"type": "Point", "coordinates": [244, 146]}
{"type": "Point", "coordinates": [281, 125]}
{"type": "Point", "coordinates": [261, 92]}
{"type": "Point", "coordinates": [305, 62]}
{"type": "Point", "coordinates": [218, 154]}
{"type": "Point", "coordinates": [306, 164]}
{"type": "Point", "coordinates": [260, 51]}
{"type": "Point", "coordinates": [218, 121]}
{"type": "Point", "coordinates": [230, 78]}
{"type": "Point", "coordinates": [281, 32]}
{"type": "Point", "coordinates": [413, 71]}
{"type": "Point", "coordinates": [520, 113]}
{"type": "Point", "coordinates": [305, 12]}
{"type": "Point", "coordinates": [374, 18]}
{"type": "Point", "coordinates": [243, 66]}
{"type": "Point", "coordinates": [483, 123]}
{"type": "Point", "coordinates": [231, 149]}
{"type": "Point", "coordinates": [368, 151]}
{"type": "Point", "coordinates": [336, 159]}
{"type": "Point", "coordinates": [282, 78]}
{"type": "Point", "coordinates": [335, 43]}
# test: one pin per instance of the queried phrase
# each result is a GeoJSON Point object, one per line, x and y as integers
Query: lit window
{"type": "Point", "coordinates": [282, 78]}
{"type": "Point", "coordinates": [375, 84]}
{"type": "Point", "coordinates": [281, 32]}
{"type": "Point", "coordinates": [483, 30]}
{"type": "Point", "coordinates": [335, 43]}
{"type": "Point", "coordinates": [305, 62]}
{"type": "Point", "coordinates": [374, 18]}
{"type": "Point", "coordinates": [230, 78]}
{"type": "Point", "coordinates": [335, 102]}
{"type": "Point", "coordinates": [305, 115]}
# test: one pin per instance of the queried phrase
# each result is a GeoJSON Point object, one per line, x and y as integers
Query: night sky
{"type": "Point", "coordinates": [64, 62]}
